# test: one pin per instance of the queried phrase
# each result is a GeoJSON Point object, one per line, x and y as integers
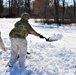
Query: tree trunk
{"type": "Point", "coordinates": [63, 12]}
{"type": "Point", "coordinates": [56, 2]}
{"type": "Point", "coordinates": [74, 11]}
{"type": "Point", "coordinates": [27, 6]}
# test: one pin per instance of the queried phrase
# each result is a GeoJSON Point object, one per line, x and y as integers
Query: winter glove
{"type": "Point", "coordinates": [41, 36]}
{"type": "Point", "coordinates": [46, 39]}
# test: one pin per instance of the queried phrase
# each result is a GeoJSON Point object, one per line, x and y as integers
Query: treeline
{"type": "Point", "coordinates": [14, 8]}
{"type": "Point", "coordinates": [58, 10]}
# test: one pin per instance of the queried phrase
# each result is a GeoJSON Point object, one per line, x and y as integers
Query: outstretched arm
{"type": "Point", "coordinates": [32, 31]}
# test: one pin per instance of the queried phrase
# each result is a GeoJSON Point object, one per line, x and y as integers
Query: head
{"type": "Point", "coordinates": [25, 16]}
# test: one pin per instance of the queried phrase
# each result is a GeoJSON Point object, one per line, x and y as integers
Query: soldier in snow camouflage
{"type": "Point", "coordinates": [18, 40]}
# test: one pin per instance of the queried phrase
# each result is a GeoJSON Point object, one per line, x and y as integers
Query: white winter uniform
{"type": "Point", "coordinates": [18, 47]}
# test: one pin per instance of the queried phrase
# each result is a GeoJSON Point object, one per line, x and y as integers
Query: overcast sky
{"type": "Point", "coordinates": [70, 1]}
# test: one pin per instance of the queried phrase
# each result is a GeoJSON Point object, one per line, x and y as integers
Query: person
{"type": "Point", "coordinates": [2, 44]}
{"type": "Point", "coordinates": [18, 40]}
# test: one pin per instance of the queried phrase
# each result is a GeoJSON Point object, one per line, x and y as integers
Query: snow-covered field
{"type": "Point", "coordinates": [46, 58]}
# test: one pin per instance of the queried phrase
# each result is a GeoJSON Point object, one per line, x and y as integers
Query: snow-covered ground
{"type": "Point", "coordinates": [46, 58]}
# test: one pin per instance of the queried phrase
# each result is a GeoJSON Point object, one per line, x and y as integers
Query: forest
{"type": "Point", "coordinates": [50, 11]}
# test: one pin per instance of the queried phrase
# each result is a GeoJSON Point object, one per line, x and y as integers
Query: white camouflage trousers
{"type": "Point", "coordinates": [18, 47]}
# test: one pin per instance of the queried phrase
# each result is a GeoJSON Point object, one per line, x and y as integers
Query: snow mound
{"type": "Point", "coordinates": [55, 37]}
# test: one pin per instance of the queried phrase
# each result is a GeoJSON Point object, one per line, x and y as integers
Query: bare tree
{"type": "Point", "coordinates": [56, 2]}
{"type": "Point", "coordinates": [27, 6]}
{"type": "Point", "coordinates": [13, 7]}
{"type": "Point", "coordinates": [42, 7]}
{"type": "Point", "coordinates": [9, 7]}
{"type": "Point", "coordinates": [17, 7]}
{"type": "Point", "coordinates": [63, 12]}
{"type": "Point", "coordinates": [1, 7]}
{"type": "Point", "coordinates": [74, 10]}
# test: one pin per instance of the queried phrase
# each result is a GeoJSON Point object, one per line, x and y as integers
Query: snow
{"type": "Point", "coordinates": [46, 58]}
{"type": "Point", "coordinates": [55, 37]}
